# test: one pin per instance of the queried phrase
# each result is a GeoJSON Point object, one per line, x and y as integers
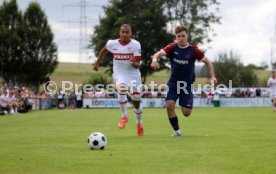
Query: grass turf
{"type": "Point", "coordinates": [215, 140]}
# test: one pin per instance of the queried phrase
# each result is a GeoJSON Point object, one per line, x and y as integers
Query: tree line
{"type": "Point", "coordinates": [28, 53]}
{"type": "Point", "coordinates": [153, 24]}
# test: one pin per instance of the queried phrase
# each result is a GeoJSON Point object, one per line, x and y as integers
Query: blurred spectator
{"type": "Point", "coordinates": [237, 93]}
{"type": "Point", "coordinates": [258, 92]}
{"type": "Point", "coordinates": [203, 94]}
{"type": "Point", "coordinates": [100, 93]}
{"type": "Point", "coordinates": [253, 91]}
{"type": "Point", "coordinates": [61, 96]}
{"type": "Point", "coordinates": [216, 99]}
{"type": "Point", "coordinates": [264, 93]}
{"type": "Point", "coordinates": [79, 98]}
{"type": "Point", "coordinates": [247, 92]}
{"type": "Point", "coordinates": [72, 100]}
{"type": "Point", "coordinates": [209, 96]}
{"type": "Point", "coordinates": [228, 93]}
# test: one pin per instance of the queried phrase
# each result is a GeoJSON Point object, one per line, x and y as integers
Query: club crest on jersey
{"type": "Point", "coordinates": [187, 56]}
{"type": "Point", "coordinates": [129, 49]}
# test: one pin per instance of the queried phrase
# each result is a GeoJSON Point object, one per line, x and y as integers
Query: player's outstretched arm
{"type": "Point", "coordinates": [154, 64]}
{"type": "Point", "coordinates": [210, 69]}
{"type": "Point", "coordinates": [100, 57]}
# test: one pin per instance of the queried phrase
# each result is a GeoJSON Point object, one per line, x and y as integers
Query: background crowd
{"type": "Point", "coordinates": [15, 98]}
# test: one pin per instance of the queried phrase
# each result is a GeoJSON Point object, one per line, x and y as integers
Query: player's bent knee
{"type": "Point", "coordinates": [170, 108]}
{"type": "Point", "coordinates": [122, 89]}
{"type": "Point", "coordinates": [186, 112]}
{"type": "Point", "coordinates": [170, 105]}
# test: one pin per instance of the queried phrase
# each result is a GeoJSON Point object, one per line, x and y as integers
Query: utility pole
{"type": "Point", "coordinates": [82, 20]}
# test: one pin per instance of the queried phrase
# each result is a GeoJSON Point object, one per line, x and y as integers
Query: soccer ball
{"type": "Point", "coordinates": [97, 141]}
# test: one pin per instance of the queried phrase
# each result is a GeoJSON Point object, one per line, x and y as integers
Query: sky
{"type": "Point", "coordinates": [247, 28]}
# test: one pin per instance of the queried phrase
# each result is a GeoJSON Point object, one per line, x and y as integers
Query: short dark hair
{"type": "Point", "coordinates": [180, 28]}
{"type": "Point", "coordinates": [126, 25]}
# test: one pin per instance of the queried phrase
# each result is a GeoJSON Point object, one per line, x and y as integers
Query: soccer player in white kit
{"type": "Point", "coordinates": [126, 74]}
{"type": "Point", "coordinates": [272, 84]}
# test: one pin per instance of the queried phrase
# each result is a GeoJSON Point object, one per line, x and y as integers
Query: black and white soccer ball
{"type": "Point", "coordinates": [97, 141]}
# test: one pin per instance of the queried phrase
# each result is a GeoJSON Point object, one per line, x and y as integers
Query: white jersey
{"type": "Point", "coordinates": [272, 83]}
{"type": "Point", "coordinates": [122, 55]}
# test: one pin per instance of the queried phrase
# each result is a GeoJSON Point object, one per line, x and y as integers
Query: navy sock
{"type": "Point", "coordinates": [174, 123]}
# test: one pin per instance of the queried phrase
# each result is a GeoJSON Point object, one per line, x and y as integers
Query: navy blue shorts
{"type": "Point", "coordinates": [185, 96]}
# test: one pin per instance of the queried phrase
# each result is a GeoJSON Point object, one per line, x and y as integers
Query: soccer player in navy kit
{"type": "Point", "coordinates": [182, 55]}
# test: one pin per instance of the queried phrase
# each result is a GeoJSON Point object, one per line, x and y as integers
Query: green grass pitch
{"type": "Point", "coordinates": [214, 141]}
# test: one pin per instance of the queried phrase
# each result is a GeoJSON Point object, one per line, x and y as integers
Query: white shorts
{"type": "Point", "coordinates": [128, 79]}
{"type": "Point", "coordinates": [133, 82]}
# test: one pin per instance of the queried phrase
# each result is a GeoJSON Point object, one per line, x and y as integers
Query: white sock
{"type": "Point", "coordinates": [123, 104]}
{"type": "Point", "coordinates": [138, 113]}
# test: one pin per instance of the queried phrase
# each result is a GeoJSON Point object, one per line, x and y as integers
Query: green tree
{"type": "Point", "coordinates": [40, 55]}
{"type": "Point", "coordinates": [148, 27]}
{"type": "Point", "coordinates": [11, 46]}
{"type": "Point", "coordinates": [27, 51]}
{"type": "Point", "coordinates": [248, 77]}
{"type": "Point", "coordinates": [197, 15]}
{"type": "Point", "coordinates": [99, 78]}
{"type": "Point", "coordinates": [229, 67]}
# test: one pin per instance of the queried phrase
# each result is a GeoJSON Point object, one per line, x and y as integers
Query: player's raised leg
{"type": "Point", "coordinates": [186, 111]}
{"type": "Point", "coordinates": [122, 99]}
{"type": "Point", "coordinates": [186, 102]}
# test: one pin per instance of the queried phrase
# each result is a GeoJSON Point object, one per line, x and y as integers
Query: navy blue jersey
{"type": "Point", "coordinates": [183, 61]}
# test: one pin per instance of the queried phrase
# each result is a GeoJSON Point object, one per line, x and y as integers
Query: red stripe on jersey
{"type": "Point", "coordinates": [118, 56]}
{"type": "Point", "coordinates": [198, 53]}
{"type": "Point", "coordinates": [169, 47]}
{"type": "Point", "coordinates": [137, 57]}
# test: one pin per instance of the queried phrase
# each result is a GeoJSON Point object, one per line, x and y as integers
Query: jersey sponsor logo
{"type": "Point", "coordinates": [122, 56]}
{"type": "Point", "coordinates": [183, 62]}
